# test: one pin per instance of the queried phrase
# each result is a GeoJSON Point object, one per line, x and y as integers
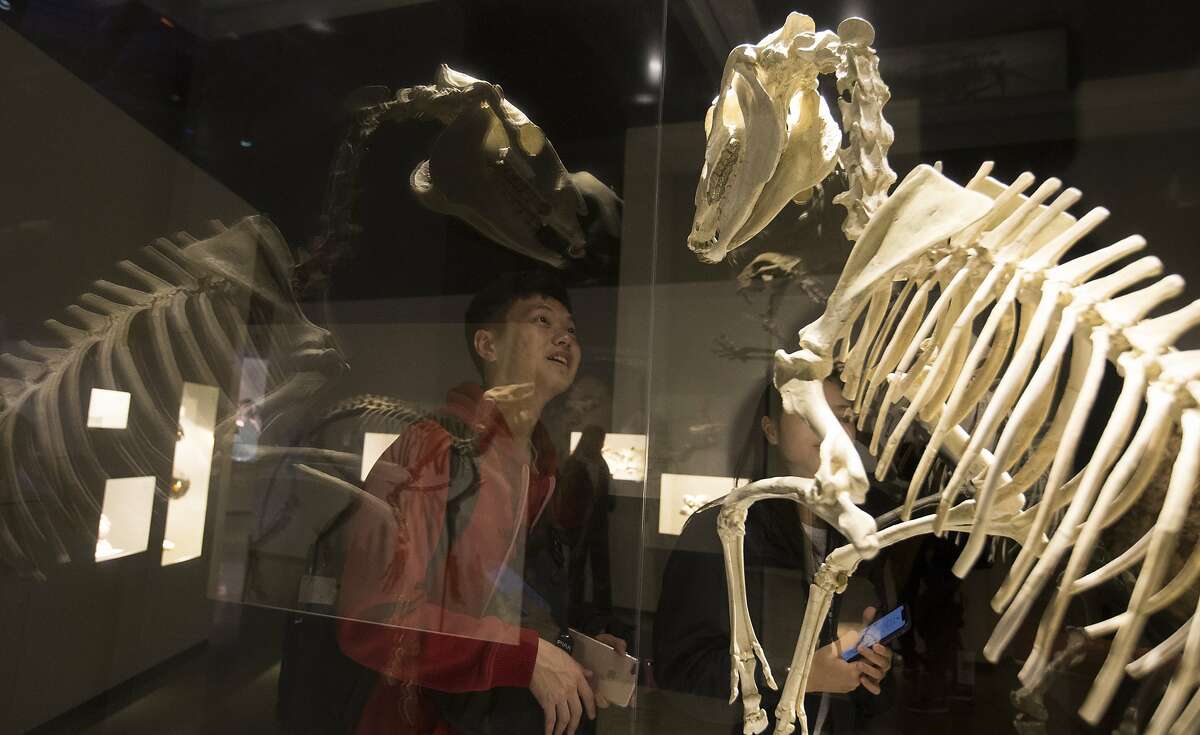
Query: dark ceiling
{"type": "Point", "coordinates": [252, 92]}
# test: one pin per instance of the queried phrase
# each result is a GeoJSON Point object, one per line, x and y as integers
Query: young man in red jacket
{"type": "Point", "coordinates": [461, 625]}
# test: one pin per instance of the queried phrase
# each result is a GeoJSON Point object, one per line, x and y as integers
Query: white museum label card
{"type": "Point", "coordinates": [682, 495]}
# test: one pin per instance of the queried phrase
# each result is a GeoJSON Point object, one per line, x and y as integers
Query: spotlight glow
{"type": "Point", "coordinates": [654, 68]}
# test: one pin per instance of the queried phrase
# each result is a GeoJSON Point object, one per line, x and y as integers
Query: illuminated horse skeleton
{"type": "Point", "coordinates": [928, 260]}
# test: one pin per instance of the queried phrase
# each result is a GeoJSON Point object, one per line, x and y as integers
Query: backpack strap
{"type": "Point", "coordinates": [462, 491]}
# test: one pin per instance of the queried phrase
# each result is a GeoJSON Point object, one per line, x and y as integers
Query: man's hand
{"type": "Point", "coordinates": [560, 686]}
{"type": "Point", "coordinates": [612, 641]}
{"type": "Point", "coordinates": [831, 674]}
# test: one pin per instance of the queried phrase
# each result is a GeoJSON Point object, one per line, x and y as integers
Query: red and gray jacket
{"type": "Point", "coordinates": [433, 612]}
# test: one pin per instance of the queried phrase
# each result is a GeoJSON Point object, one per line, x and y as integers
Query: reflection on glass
{"type": "Point", "coordinates": [374, 445]}
{"type": "Point", "coordinates": [682, 495]}
{"type": "Point", "coordinates": [125, 517]}
{"type": "Point", "coordinates": [625, 455]}
{"type": "Point", "coordinates": [108, 409]}
{"type": "Point", "coordinates": [190, 474]}
{"type": "Point", "coordinates": [251, 389]}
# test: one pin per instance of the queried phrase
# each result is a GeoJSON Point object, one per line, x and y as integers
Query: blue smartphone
{"type": "Point", "coordinates": [884, 630]}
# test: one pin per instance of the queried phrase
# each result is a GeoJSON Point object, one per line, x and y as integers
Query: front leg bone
{"type": "Point", "coordinates": [791, 701]}
{"type": "Point", "coordinates": [744, 648]}
{"type": "Point", "coordinates": [831, 579]}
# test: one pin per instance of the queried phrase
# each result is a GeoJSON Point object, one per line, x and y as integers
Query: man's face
{"type": "Point", "coordinates": [537, 345]}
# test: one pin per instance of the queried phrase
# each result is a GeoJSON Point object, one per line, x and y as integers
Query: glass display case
{"type": "Point", "coordinates": [481, 366]}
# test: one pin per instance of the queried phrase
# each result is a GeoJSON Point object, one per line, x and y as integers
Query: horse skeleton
{"type": "Point", "coordinates": [930, 261]}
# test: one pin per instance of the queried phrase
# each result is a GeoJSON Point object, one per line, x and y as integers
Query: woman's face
{"type": "Point", "coordinates": [799, 445]}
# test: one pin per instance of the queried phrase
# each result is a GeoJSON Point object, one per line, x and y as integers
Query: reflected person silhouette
{"type": "Point", "coordinates": [582, 505]}
{"type": "Point", "coordinates": [453, 559]}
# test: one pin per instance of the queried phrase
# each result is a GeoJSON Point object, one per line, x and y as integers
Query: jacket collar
{"type": "Point", "coordinates": [468, 403]}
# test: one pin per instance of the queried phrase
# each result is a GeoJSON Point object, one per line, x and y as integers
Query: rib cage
{"type": "Point", "coordinates": [191, 310]}
{"type": "Point", "coordinates": [1007, 275]}
{"type": "Point", "coordinates": [978, 324]}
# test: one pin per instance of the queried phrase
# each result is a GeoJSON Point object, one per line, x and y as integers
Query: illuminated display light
{"type": "Point", "coordinates": [374, 445]}
{"type": "Point", "coordinates": [125, 517]}
{"type": "Point", "coordinates": [190, 473]}
{"type": "Point", "coordinates": [108, 409]}
{"type": "Point", "coordinates": [681, 495]}
{"type": "Point", "coordinates": [251, 389]}
{"type": "Point", "coordinates": [625, 455]}
{"type": "Point", "coordinates": [654, 68]}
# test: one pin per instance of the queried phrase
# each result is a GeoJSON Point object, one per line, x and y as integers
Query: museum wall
{"type": "Point", "coordinates": [96, 188]}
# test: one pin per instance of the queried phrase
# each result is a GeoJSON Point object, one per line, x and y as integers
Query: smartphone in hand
{"type": "Point", "coordinates": [884, 630]}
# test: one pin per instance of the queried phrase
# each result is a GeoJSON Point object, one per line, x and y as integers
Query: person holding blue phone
{"type": "Point", "coordinates": [879, 632]}
{"type": "Point", "coordinates": [691, 632]}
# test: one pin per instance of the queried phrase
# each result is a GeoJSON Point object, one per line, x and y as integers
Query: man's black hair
{"type": "Point", "coordinates": [490, 305]}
